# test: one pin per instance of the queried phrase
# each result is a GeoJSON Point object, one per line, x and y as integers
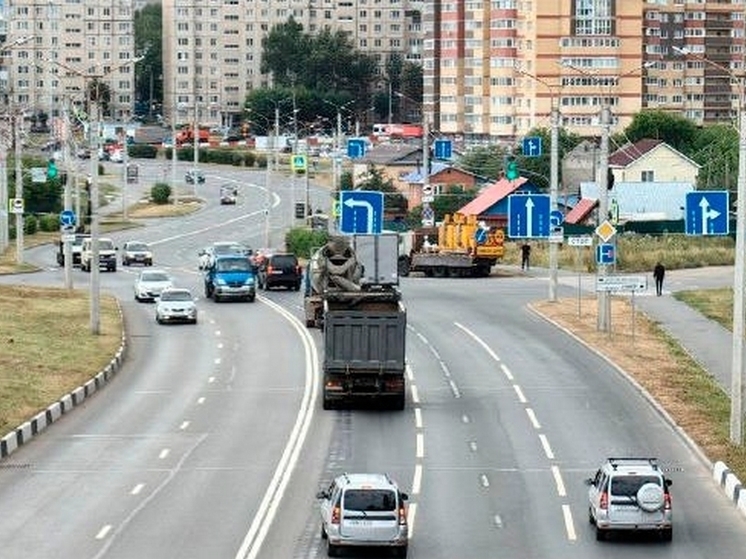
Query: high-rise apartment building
{"type": "Point", "coordinates": [493, 67]}
{"type": "Point", "coordinates": [70, 46]}
{"type": "Point", "coordinates": [212, 48]}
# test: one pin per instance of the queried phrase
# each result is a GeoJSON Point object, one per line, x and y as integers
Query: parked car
{"type": "Point", "coordinates": [195, 176]}
{"type": "Point", "coordinates": [280, 269]}
{"type": "Point", "coordinates": [630, 494]}
{"type": "Point", "coordinates": [176, 304]}
{"type": "Point", "coordinates": [107, 254]}
{"type": "Point", "coordinates": [364, 510]}
{"type": "Point", "coordinates": [136, 252]}
{"type": "Point", "coordinates": [150, 283]}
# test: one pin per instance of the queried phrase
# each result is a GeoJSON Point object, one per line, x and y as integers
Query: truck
{"type": "Point", "coordinates": [186, 135]}
{"type": "Point", "coordinates": [352, 295]}
{"type": "Point", "coordinates": [458, 247]}
{"type": "Point", "coordinates": [230, 276]}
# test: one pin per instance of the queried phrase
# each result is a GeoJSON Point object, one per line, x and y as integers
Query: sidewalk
{"type": "Point", "coordinates": [706, 341]}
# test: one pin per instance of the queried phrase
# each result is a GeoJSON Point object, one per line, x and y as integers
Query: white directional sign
{"type": "Point", "coordinates": [621, 283]}
{"type": "Point", "coordinates": [580, 241]}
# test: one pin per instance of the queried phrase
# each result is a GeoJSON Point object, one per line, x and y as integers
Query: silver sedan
{"type": "Point", "coordinates": [150, 283]}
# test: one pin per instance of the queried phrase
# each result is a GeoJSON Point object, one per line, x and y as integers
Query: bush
{"type": "Point", "coordinates": [160, 193]}
{"type": "Point", "coordinates": [49, 222]}
{"type": "Point", "coordinates": [261, 160]}
{"type": "Point", "coordinates": [302, 241]}
{"type": "Point", "coordinates": [142, 151]}
{"type": "Point", "coordinates": [30, 224]}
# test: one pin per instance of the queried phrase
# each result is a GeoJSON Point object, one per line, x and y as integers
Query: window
{"type": "Point", "coordinates": [593, 17]}
{"type": "Point", "coordinates": [647, 176]}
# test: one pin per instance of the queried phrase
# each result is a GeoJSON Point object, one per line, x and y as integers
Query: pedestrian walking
{"type": "Point", "coordinates": [525, 256]}
{"type": "Point", "coordinates": [659, 273]}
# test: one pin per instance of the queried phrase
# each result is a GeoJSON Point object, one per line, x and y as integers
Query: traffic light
{"type": "Point", "coordinates": [52, 169]}
{"type": "Point", "coordinates": [511, 168]}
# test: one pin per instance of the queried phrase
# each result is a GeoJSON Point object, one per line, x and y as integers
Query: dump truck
{"type": "Point", "coordinates": [459, 247]}
{"type": "Point", "coordinates": [352, 294]}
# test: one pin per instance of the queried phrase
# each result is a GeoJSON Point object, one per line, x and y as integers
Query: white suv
{"type": "Point", "coordinates": [107, 254]}
{"type": "Point", "coordinates": [630, 494]}
{"type": "Point", "coordinates": [364, 510]}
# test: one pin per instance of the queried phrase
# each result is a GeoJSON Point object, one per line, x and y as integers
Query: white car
{"type": "Point", "coordinates": [207, 255]}
{"type": "Point", "coordinates": [150, 283]}
{"type": "Point", "coordinates": [136, 252]}
{"type": "Point", "coordinates": [176, 304]}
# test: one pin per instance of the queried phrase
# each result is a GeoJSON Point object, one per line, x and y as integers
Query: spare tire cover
{"type": "Point", "coordinates": [650, 497]}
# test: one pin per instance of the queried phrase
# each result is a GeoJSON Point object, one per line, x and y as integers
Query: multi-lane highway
{"type": "Point", "coordinates": [211, 441]}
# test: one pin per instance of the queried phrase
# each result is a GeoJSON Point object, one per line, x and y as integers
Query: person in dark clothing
{"type": "Point", "coordinates": [525, 256]}
{"type": "Point", "coordinates": [659, 273]}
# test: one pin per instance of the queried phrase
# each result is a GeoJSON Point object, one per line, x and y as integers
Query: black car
{"type": "Point", "coordinates": [280, 269]}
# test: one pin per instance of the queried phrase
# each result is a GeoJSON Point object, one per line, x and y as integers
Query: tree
{"type": "Point", "coordinates": [374, 179]}
{"type": "Point", "coordinates": [715, 149]}
{"type": "Point", "coordinates": [285, 52]}
{"type": "Point", "coordinates": [677, 131]}
{"type": "Point", "coordinates": [484, 161]}
{"type": "Point", "coordinates": [149, 44]}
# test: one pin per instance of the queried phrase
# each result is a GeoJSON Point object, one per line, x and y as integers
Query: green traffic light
{"type": "Point", "coordinates": [511, 171]}
{"type": "Point", "coordinates": [51, 169]}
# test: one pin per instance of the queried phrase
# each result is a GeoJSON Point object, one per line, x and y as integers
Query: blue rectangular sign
{"type": "Point", "coordinates": [528, 216]}
{"type": "Point", "coordinates": [443, 149]}
{"type": "Point", "coordinates": [356, 148]}
{"type": "Point", "coordinates": [605, 254]}
{"type": "Point", "coordinates": [707, 213]}
{"type": "Point", "coordinates": [532, 146]}
{"type": "Point", "coordinates": [361, 211]}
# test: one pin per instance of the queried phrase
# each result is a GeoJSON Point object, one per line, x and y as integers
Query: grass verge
{"type": "Point", "coordinates": [47, 348]}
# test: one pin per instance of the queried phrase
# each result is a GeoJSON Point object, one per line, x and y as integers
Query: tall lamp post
{"type": "Point", "coordinates": [553, 174]}
{"type": "Point", "coordinates": [739, 270]}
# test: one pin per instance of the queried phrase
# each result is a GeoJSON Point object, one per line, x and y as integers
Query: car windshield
{"type": "Point", "coordinates": [154, 276]}
{"type": "Point", "coordinates": [370, 499]}
{"type": "Point", "coordinates": [226, 249]}
{"type": "Point", "coordinates": [233, 265]}
{"type": "Point", "coordinates": [104, 244]}
{"type": "Point", "coordinates": [176, 296]}
{"type": "Point", "coordinates": [284, 261]}
{"type": "Point", "coordinates": [137, 246]}
{"type": "Point", "coordinates": [628, 486]}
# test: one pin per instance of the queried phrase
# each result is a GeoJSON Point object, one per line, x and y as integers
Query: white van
{"type": "Point", "coordinates": [107, 254]}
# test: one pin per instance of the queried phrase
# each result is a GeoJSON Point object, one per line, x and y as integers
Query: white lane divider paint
{"type": "Point", "coordinates": [465, 419]}
{"type": "Point", "coordinates": [532, 418]}
{"type": "Point", "coordinates": [137, 488]}
{"type": "Point", "coordinates": [497, 521]}
{"type": "Point", "coordinates": [201, 400]}
{"type": "Point", "coordinates": [411, 515]}
{"type": "Point", "coordinates": [211, 380]}
{"type": "Point", "coordinates": [184, 425]}
{"type": "Point", "coordinates": [506, 372]}
{"type": "Point", "coordinates": [454, 389]}
{"type": "Point", "coordinates": [559, 482]}
{"type": "Point", "coordinates": [417, 479]}
{"type": "Point", "coordinates": [418, 418]}
{"type": "Point", "coordinates": [420, 445]}
{"type": "Point", "coordinates": [164, 453]}
{"type": "Point", "coordinates": [415, 393]}
{"type": "Point", "coordinates": [473, 446]}
{"type": "Point", "coordinates": [217, 360]}
{"type": "Point", "coordinates": [569, 524]}
{"type": "Point", "coordinates": [484, 480]}
{"type": "Point", "coordinates": [521, 397]}
{"type": "Point", "coordinates": [546, 446]}
{"type": "Point", "coordinates": [103, 532]}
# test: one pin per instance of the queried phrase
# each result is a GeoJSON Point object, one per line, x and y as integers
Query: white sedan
{"type": "Point", "coordinates": [150, 283]}
{"type": "Point", "coordinates": [176, 304]}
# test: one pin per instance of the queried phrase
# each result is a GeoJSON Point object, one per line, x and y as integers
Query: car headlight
{"type": "Point", "coordinates": [220, 281]}
{"type": "Point", "coordinates": [250, 281]}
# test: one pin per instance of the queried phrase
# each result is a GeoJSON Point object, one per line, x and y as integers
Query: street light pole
{"type": "Point", "coordinates": [739, 268]}
{"type": "Point", "coordinates": [603, 314]}
{"type": "Point", "coordinates": [17, 122]}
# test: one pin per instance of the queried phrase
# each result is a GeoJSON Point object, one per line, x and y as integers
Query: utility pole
{"type": "Point", "coordinates": [94, 132]}
{"type": "Point", "coordinates": [68, 200]}
{"type": "Point", "coordinates": [17, 123]}
{"type": "Point", "coordinates": [553, 187]}
{"type": "Point", "coordinates": [425, 162]}
{"type": "Point", "coordinates": [603, 318]}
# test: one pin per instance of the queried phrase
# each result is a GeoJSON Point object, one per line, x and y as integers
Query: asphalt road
{"type": "Point", "coordinates": [211, 441]}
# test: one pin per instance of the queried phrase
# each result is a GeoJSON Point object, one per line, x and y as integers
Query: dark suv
{"type": "Point", "coordinates": [280, 269]}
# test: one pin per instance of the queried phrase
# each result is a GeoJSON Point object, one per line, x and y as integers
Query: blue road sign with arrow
{"type": "Point", "coordinates": [67, 218]}
{"type": "Point", "coordinates": [361, 212]}
{"type": "Point", "coordinates": [532, 146]}
{"type": "Point", "coordinates": [443, 149]}
{"type": "Point", "coordinates": [707, 213]}
{"type": "Point", "coordinates": [356, 148]}
{"type": "Point", "coordinates": [528, 216]}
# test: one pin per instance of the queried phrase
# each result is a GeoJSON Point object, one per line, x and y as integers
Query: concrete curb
{"type": "Point", "coordinates": [29, 429]}
{"type": "Point", "coordinates": [730, 484]}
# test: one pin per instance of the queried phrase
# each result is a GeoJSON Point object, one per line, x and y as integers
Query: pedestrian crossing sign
{"type": "Point", "coordinates": [299, 162]}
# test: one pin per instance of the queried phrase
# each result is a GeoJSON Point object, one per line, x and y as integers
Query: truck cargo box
{"type": "Point", "coordinates": [365, 340]}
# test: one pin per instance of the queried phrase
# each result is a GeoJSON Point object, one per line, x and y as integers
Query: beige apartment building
{"type": "Point", "coordinates": [493, 68]}
{"type": "Point", "coordinates": [54, 50]}
{"type": "Point", "coordinates": [212, 49]}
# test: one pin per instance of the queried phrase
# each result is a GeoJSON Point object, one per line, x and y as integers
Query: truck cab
{"type": "Point", "coordinates": [231, 277]}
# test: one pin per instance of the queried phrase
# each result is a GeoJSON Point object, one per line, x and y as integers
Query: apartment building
{"type": "Point", "coordinates": [212, 48]}
{"type": "Point", "coordinates": [493, 68]}
{"type": "Point", "coordinates": [56, 50]}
